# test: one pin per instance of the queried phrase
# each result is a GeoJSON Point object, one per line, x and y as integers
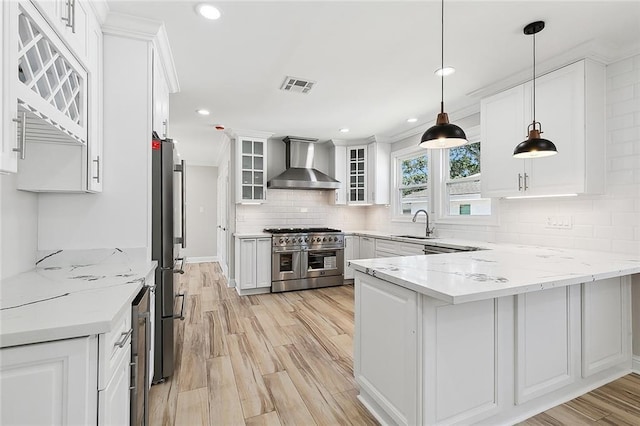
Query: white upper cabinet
{"type": "Point", "coordinates": [160, 101]}
{"type": "Point", "coordinates": [357, 188]}
{"type": "Point", "coordinates": [95, 146]}
{"type": "Point", "coordinates": [378, 176]}
{"type": "Point", "coordinates": [570, 106]}
{"type": "Point", "coordinates": [71, 19]}
{"type": "Point", "coordinates": [52, 114]}
{"type": "Point", "coordinates": [363, 171]}
{"type": "Point", "coordinates": [8, 77]}
{"type": "Point", "coordinates": [251, 167]}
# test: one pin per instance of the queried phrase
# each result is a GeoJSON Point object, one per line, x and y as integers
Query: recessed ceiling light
{"type": "Point", "coordinates": [412, 120]}
{"type": "Point", "coordinates": [444, 71]}
{"type": "Point", "coordinates": [208, 11]}
{"type": "Point", "coordinates": [344, 130]}
{"type": "Point", "coordinates": [202, 111]}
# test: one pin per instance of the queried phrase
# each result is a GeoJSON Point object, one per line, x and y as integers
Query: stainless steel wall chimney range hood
{"type": "Point", "coordinates": [300, 173]}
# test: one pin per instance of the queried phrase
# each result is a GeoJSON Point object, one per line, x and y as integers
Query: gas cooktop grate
{"type": "Point", "coordinates": [299, 230]}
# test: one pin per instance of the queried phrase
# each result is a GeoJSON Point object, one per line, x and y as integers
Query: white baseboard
{"type": "Point", "coordinates": [202, 259]}
{"type": "Point", "coordinates": [635, 364]}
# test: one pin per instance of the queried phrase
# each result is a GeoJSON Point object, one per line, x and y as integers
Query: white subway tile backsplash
{"type": "Point", "coordinates": [624, 80]}
{"type": "Point", "coordinates": [621, 67]}
{"type": "Point", "coordinates": [624, 93]}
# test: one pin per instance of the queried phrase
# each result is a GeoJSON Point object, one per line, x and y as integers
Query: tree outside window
{"type": "Point", "coordinates": [463, 185]}
{"type": "Point", "coordinates": [414, 181]}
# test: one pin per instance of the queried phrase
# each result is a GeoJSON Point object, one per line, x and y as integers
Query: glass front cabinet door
{"type": "Point", "coordinates": [252, 162]}
{"type": "Point", "coordinates": [357, 170]}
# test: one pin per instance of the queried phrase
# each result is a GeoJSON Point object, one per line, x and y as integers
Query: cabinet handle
{"type": "Point", "coordinates": [97, 176]}
{"type": "Point", "coordinates": [71, 15]}
{"type": "Point", "coordinates": [23, 135]}
{"type": "Point", "coordinates": [526, 180]}
{"type": "Point", "coordinates": [519, 182]}
{"type": "Point", "coordinates": [164, 128]}
{"type": "Point", "coordinates": [123, 340]}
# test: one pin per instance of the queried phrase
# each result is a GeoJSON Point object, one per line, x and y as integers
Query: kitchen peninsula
{"type": "Point", "coordinates": [491, 336]}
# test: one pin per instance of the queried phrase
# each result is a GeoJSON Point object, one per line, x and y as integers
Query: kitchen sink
{"type": "Point", "coordinates": [415, 237]}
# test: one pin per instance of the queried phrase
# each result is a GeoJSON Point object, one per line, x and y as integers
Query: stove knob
{"type": "Point", "coordinates": [324, 239]}
{"type": "Point", "coordinates": [281, 240]}
{"type": "Point", "coordinates": [306, 240]}
{"type": "Point", "coordinates": [286, 240]}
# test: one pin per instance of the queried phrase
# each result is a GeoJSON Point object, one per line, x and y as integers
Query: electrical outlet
{"type": "Point", "coordinates": [559, 222]}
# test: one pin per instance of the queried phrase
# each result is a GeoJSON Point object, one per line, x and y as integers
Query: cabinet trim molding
{"type": "Point", "coordinates": [119, 24]}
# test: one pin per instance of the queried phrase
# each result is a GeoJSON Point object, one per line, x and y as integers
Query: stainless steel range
{"type": "Point", "coordinates": [304, 258]}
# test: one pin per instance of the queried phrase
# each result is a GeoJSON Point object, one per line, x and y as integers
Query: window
{"type": "Point", "coordinates": [462, 183]}
{"type": "Point", "coordinates": [412, 183]}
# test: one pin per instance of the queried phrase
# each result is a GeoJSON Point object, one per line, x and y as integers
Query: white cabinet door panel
{"type": "Point", "coordinates": [388, 310]}
{"type": "Point", "coordinates": [263, 262]}
{"type": "Point", "coordinates": [547, 336]}
{"type": "Point", "coordinates": [460, 349]}
{"type": "Point", "coordinates": [605, 319]}
{"type": "Point", "coordinates": [49, 383]}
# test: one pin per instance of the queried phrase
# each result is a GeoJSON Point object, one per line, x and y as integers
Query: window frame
{"type": "Point", "coordinates": [442, 204]}
{"type": "Point", "coordinates": [397, 157]}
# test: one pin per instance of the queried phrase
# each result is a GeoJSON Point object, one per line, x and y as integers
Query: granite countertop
{"type": "Point", "coordinates": [69, 294]}
{"type": "Point", "coordinates": [499, 270]}
{"type": "Point", "coordinates": [431, 241]}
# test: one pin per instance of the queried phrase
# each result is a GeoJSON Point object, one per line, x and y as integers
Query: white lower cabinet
{"type": "Point", "coordinates": [253, 264]}
{"type": "Point", "coordinates": [49, 383]}
{"type": "Point", "coordinates": [367, 248]}
{"type": "Point", "coordinates": [76, 381]}
{"type": "Point", "coordinates": [386, 317]}
{"type": "Point", "coordinates": [114, 399]}
{"type": "Point", "coordinates": [419, 360]}
{"type": "Point", "coordinates": [388, 248]}
{"type": "Point", "coordinates": [548, 341]}
{"type": "Point", "coordinates": [351, 252]}
{"type": "Point", "coordinates": [605, 324]}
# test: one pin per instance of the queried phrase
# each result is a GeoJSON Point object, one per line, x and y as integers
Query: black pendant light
{"type": "Point", "coordinates": [443, 134]}
{"type": "Point", "coordinates": [534, 146]}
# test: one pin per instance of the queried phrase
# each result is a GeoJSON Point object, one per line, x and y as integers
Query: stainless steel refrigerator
{"type": "Point", "coordinates": [168, 235]}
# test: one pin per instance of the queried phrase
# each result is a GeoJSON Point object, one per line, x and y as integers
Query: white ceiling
{"type": "Point", "coordinates": [373, 61]}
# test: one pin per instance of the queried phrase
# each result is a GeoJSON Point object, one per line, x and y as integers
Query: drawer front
{"type": "Point", "coordinates": [112, 347]}
{"type": "Point", "coordinates": [388, 248]}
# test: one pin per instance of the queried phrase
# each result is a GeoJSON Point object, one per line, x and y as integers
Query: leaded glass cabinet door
{"type": "Point", "coordinates": [52, 84]}
{"type": "Point", "coordinates": [357, 170]}
{"type": "Point", "coordinates": [252, 153]}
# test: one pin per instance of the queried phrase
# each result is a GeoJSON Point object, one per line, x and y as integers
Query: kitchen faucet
{"type": "Point", "coordinates": [427, 230]}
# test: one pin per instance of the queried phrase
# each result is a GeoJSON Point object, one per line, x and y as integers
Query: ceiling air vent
{"type": "Point", "coordinates": [295, 84]}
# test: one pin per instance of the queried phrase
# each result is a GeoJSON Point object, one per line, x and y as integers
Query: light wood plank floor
{"type": "Point", "coordinates": [286, 359]}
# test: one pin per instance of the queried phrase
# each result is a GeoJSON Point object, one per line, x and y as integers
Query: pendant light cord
{"type": "Point", "coordinates": [442, 57]}
{"type": "Point", "coordinates": [534, 81]}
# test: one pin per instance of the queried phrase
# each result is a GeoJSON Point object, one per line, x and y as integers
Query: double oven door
{"type": "Point", "coordinates": [294, 263]}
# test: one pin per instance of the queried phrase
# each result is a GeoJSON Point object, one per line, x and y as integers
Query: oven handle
{"type": "Point", "coordinates": [287, 250]}
{"type": "Point", "coordinates": [322, 248]}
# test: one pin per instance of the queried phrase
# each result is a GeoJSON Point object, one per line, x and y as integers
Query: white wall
{"type": "Point", "coordinates": [202, 188]}
{"type": "Point", "coordinates": [120, 215]}
{"type": "Point", "coordinates": [18, 228]}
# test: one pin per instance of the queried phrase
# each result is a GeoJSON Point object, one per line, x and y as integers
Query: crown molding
{"type": "Point", "coordinates": [592, 50]}
{"type": "Point", "coordinates": [120, 24]}
{"type": "Point", "coordinates": [235, 133]}
{"type": "Point", "coordinates": [100, 10]}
